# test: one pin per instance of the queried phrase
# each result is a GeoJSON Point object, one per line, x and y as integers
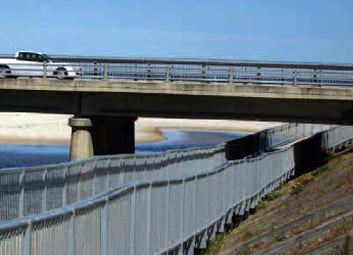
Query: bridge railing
{"type": "Point", "coordinates": [26, 191]}
{"type": "Point", "coordinates": [151, 217]}
{"type": "Point", "coordinates": [189, 70]}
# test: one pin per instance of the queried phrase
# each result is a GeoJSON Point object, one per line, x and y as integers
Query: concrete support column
{"type": "Point", "coordinates": [101, 135]}
{"type": "Point", "coordinates": [81, 146]}
{"type": "Point", "coordinates": [113, 135]}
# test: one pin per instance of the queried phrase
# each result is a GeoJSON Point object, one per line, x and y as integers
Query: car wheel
{"type": "Point", "coordinates": [4, 71]}
{"type": "Point", "coordinates": [60, 73]}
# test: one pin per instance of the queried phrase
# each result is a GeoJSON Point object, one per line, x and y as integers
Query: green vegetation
{"type": "Point", "coordinates": [298, 185]}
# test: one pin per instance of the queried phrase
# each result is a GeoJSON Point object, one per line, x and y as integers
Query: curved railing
{"type": "Point", "coordinates": [26, 191]}
{"type": "Point", "coordinates": [285, 134]}
{"type": "Point", "coordinates": [151, 217]}
{"type": "Point", "coordinates": [176, 212]}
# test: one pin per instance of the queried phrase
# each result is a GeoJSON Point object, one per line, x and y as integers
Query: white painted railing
{"type": "Point", "coordinates": [174, 205]}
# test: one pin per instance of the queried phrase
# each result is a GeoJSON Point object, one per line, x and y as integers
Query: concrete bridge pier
{"type": "Point", "coordinates": [101, 135]}
{"type": "Point", "coordinates": [81, 145]}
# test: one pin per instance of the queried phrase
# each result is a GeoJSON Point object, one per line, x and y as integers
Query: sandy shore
{"type": "Point", "coordinates": [36, 128]}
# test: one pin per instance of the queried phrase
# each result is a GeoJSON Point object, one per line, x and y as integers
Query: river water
{"type": "Point", "coordinates": [33, 155]}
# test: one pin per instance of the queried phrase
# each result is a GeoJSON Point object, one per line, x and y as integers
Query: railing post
{"type": "Point", "coordinates": [149, 219]}
{"type": "Point", "coordinates": [180, 252]}
{"type": "Point", "coordinates": [132, 222]}
{"type": "Point", "coordinates": [107, 180]}
{"type": "Point", "coordinates": [314, 76]}
{"type": "Point", "coordinates": [258, 74]}
{"type": "Point", "coordinates": [44, 192]}
{"type": "Point", "coordinates": [203, 72]}
{"type": "Point", "coordinates": [94, 178]}
{"type": "Point", "coordinates": [26, 248]}
{"type": "Point", "coordinates": [167, 73]}
{"type": "Point", "coordinates": [64, 191]}
{"type": "Point", "coordinates": [149, 71]}
{"type": "Point", "coordinates": [295, 78]}
{"type": "Point", "coordinates": [231, 75]}
{"type": "Point", "coordinates": [71, 235]}
{"type": "Point", "coordinates": [104, 228]}
{"type": "Point", "coordinates": [105, 77]}
{"type": "Point", "coordinates": [95, 69]}
{"type": "Point", "coordinates": [45, 68]}
{"type": "Point", "coordinates": [21, 199]}
{"type": "Point", "coordinates": [166, 229]}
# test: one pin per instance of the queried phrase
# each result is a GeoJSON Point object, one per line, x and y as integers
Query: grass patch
{"type": "Point", "coordinates": [216, 244]}
{"type": "Point", "coordinates": [261, 205]}
{"type": "Point", "coordinates": [273, 195]}
{"type": "Point", "coordinates": [298, 185]}
{"type": "Point", "coordinates": [320, 170]}
{"type": "Point", "coordinates": [247, 235]}
{"type": "Point", "coordinates": [245, 250]}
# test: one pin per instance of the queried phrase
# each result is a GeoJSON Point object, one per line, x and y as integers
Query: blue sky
{"type": "Point", "coordinates": [301, 30]}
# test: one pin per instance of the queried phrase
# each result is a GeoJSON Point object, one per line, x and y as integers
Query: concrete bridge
{"type": "Point", "coordinates": [113, 92]}
{"type": "Point", "coordinates": [175, 202]}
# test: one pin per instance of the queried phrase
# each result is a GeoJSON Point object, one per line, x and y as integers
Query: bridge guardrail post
{"type": "Point", "coordinates": [203, 72]}
{"type": "Point", "coordinates": [295, 73]}
{"type": "Point", "coordinates": [149, 72]}
{"type": "Point", "coordinates": [105, 75]}
{"type": "Point", "coordinates": [231, 75]}
{"type": "Point", "coordinates": [315, 76]}
{"type": "Point", "coordinates": [95, 68]}
{"type": "Point", "coordinates": [45, 69]}
{"type": "Point", "coordinates": [167, 73]}
{"type": "Point", "coordinates": [258, 74]}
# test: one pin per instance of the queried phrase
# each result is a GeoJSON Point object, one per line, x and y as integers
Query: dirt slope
{"type": "Point", "coordinates": [309, 215]}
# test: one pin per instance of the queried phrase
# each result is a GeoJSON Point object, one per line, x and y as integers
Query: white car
{"type": "Point", "coordinates": [34, 64]}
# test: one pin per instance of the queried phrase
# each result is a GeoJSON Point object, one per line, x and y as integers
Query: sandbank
{"type": "Point", "coordinates": [38, 128]}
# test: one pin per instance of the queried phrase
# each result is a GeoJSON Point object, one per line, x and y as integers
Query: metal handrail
{"type": "Point", "coordinates": [65, 183]}
{"type": "Point", "coordinates": [33, 230]}
{"type": "Point", "coordinates": [171, 70]}
{"type": "Point", "coordinates": [157, 216]}
{"type": "Point", "coordinates": [214, 62]}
